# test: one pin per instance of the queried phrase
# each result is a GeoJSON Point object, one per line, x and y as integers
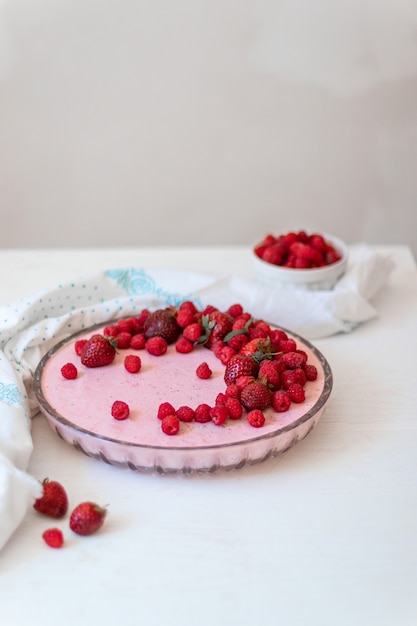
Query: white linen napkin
{"type": "Point", "coordinates": [32, 325]}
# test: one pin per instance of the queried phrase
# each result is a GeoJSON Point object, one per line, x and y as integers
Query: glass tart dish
{"type": "Point", "coordinates": [79, 410]}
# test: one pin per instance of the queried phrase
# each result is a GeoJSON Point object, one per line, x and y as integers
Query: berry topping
{"type": "Point", "coordinates": [240, 365]}
{"type": "Point", "coordinates": [170, 425]}
{"type": "Point", "coordinates": [203, 370]}
{"type": "Point", "coordinates": [162, 323]}
{"type": "Point", "coordinates": [256, 418]}
{"type": "Point", "coordinates": [297, 250]}
{"type": "Point", "coordinates": [165, 409]}
{"type": "Point", "coordinates": [132, 363]}
{"type": "Point", "coordinates": [256, 395]}
{"type": "Point", "coordinates": [157, 346]}
{"type": "Point", "coordinates": [69, 371]}
{"type": "Point", "coordinates": [98, 351]}
{"type": "Point", "coordinates": [120, 410]}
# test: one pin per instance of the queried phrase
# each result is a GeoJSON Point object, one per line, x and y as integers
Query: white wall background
{"type": "Point", "coordinates": [129, 122]}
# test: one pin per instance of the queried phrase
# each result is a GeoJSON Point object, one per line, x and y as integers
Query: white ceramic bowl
{"type": "Point", "coordinates": [321, 278]}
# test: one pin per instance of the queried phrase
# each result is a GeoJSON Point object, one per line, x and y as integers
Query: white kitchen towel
{"type": "Point", "coordinates": [30, 326]}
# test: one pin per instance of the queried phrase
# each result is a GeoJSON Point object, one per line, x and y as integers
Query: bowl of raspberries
{"type": "Point", "coordinates": [299, 258]}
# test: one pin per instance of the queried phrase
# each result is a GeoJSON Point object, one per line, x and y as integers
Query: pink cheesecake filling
{"type": "Point", "coordinates": [86, 401]}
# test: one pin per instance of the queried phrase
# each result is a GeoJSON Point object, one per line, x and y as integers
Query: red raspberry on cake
{"type": "Point", "coordinates": [122, 340]}
{"type": "Point", "coordinates": [138, 341]}
{"type": "Point", "coordinates": [219, 414]}
{"type": "Point", "coordinates": [132, 363]}
{"type": "Point", "coordinates": [157, 346]}
{"type": "Point", "coordinates": [234, 407]}
{"type": "Point", "coordinates": [185, 317]}
{"type": "Point", "coordinates": [281, 401]}
{"type": "Point", "coordinates": [310, 371]}
{"type": "Point", "coordinates": [170, 425]}
{"type": "Point", "coordinates": [185, 413]}
{"type": "Point", "coordinates": [203, 371]}
{"type": "Point", "coordinates": [256, 418]}
{"type": "Point", "coordinates": [184, 346]}
{"type": "Point", "coordinates": [164, 409]}
{"type": "Point", "coordinates": [202, 413]}
{"type": "Point", "coordinates": [296, 393]}
{"type": "Point", "coordinates": [192, 332]}
{"type": "Point", "coordinates": [120, 410]}
{"type": "Point", "coordinates": [69, 371]}
{"type": "Point", "coordinates": [79, 345]}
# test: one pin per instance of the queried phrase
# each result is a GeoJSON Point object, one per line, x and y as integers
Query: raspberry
{"type": "Point", "coordinates": [288, 378]}
{"type": "Point", "coordinates": [203, 371]}
{"type": "Point", "coordinates": [164, 409]}
{"type": "Point", "coordinates": [300, 376]}
{"type": "Point", "coordinates": [281, 401]}
{"type": "Point", "coordinates": [192, 332]}
{"type": "Point", "coordinates": [237, 342]}
{"type": "Point", "coordinates": [111, 330]}
{"type": "Point", "coordinates": [53, 537]}
{"type": "Point", "coordinates": [125, 325]}
{"type": "Point", "coordinates": [227, 352]}
{"type": "Point", "coordinates": [310, 371]}
{"type": "Point", "coordinates": [69, 371]}
{"type": "Point", "coordinates": [132, 363]}
{"type": "Point", "coordinates": [296, 393]}
{"type": "Point", "coordinates": [234, 407]}
{"type": "Point", "coordinates": [232, 391]}
{"type": "Point", "coordinates": [217, 348]}
{"type": "Point", "coordinates": [138, 341]}
{"type": "Point", "coordinates": [287, 345]}
{"type": "Point", "coordinates": [120, 410]}
{"type": "Point", "coordinates": [235, 310]}
{"type": "Point", "coordinates": [157, 346]}
{"type": "Point", "coordinates": [185, 413]}
{"type": "Point", "coordinates": [170, 425]}
{"type": "Point", "coordinates": [185, 317]}
{"type": "Point", "coordinates": [184, 345]}
{"type": "Point", "coordinates": [292, 360]}
{"type": "Point", "coordinates": [219, 414]}
{"type": "Point", "coordinates": [123, 340]}
{"type": "Point", "coordinates": [188, 305]}
{"type": "Point", "coordinates": [220, 399]}
{"type": "Point", "coordinates": [202, 413]}
{"type": "Point", "coordinates": [256, 418]}
{"type": "Point", "coordinates": [79, 345]}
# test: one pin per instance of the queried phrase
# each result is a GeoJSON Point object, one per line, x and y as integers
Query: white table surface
{"type": "Point", "coordinates": [326, 534]}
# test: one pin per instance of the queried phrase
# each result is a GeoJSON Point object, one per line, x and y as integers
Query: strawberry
{"type": "Point", "coordinates": [98, 351]}
{"type": "Point", "coordinates": [54, 500]}
{"type": "Point", "coordinates": [87, 518]}
{"type": "Point", "coordinates": [53, 537]}
{"type": "Point", "coordinates": [256, 395]}
{"type": "Point", "coordinates": [162, 323]}
{"type": "Point", "coordinates": [216, 325]}
{"type": "Point", "coordinates": [240, 365]}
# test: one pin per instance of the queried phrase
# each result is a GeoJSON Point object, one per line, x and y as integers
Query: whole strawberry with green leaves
{"type": "Point", "coordinates": [98, 351]}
